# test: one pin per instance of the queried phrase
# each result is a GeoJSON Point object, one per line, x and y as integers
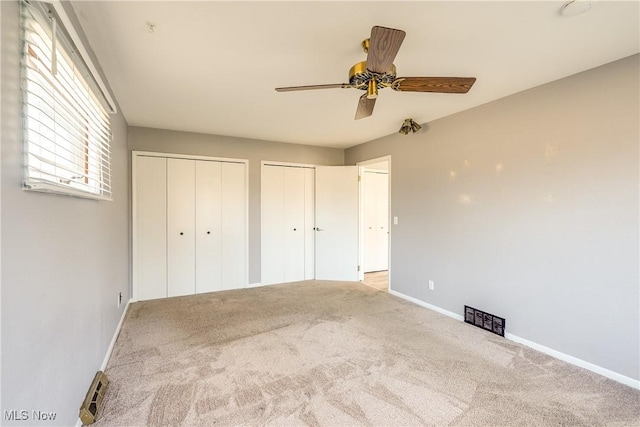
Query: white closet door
{"type": "Point", "coordinates": [337, 216]}
{"type": "Point", "coordinates": [272, 225]}
{"type": "Point", "coordinates": [208, 230]}
{"type": "Point", "coordinates": [150, 243]}
{"type": "Point", "coordinates": [371, 244]}
{"type": "Point", "coordinates": [309, 224]}
{"type": "Point", "coordinates": [382, 210]}
{"type": "Point", "coordinates": [376, 217]}
{"type": "Point", "coordinates": [294, 211]}
{"type": "Point", "coordinates": [180, 227]}
{"type": "Point", "coordinates": [233, 233]}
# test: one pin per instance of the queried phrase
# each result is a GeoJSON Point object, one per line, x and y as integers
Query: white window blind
{"type": "Point", "coordinates": [67, 131]}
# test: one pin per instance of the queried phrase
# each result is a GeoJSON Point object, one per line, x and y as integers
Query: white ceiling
{"type": "Point", "coordinates": [212, 67]}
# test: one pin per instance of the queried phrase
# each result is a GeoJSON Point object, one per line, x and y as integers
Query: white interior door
{"type": "Point", "coordinates": [370, 222]}
{"type": "Point", "coordinates": [150, 243]}
{"type": "Point", "coordinates": [382, 214]}
{"type": "Point", "coordinates": [288, 221]}
{"type": "Point", "coordinates": [208, 226]}
{"type": "Point", "coordinates": [337, 223]}
{"type": "Point", "coordinates": [181, 244]}
{"type": "Point", "coordinates": [272, 225]}
{"type": "Point", "coordinates": [376, 218]}
{"type": "Point", "coordinates": [233, 234]}
{"type": "Point", "coordinates": [294, 224]}
{"type": "Point", "coordinates": [181, 267]}
{"type": "Point", "coordinates": [309, 224]}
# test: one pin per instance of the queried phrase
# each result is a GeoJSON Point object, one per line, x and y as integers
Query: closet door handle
{"type": "Point", "coordinates": [319, 229]}
{"type": "Point", "coordinates": [181, 233]}
{"type": "Point", "coordinates": [208, 232]}
{"type": "Point", "coordinates": [294, 229]}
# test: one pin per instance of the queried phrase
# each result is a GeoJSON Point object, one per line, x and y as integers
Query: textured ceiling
{"type": "Point", "coordinates": [212, 67]}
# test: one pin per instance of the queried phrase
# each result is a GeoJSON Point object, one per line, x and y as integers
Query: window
{"type": "Point", "coordinates": [66, 129]}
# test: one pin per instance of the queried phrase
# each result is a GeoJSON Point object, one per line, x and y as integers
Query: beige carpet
{"type": "Point", "coordinates": [338, 354]}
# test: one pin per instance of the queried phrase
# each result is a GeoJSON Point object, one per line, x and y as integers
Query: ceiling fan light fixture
{"type": "Point", "coordinates": [372, 89]}
{"type": "Point", "coordinates": [409, 126]}
{"type": "Point", "coordinates": [406, 127]}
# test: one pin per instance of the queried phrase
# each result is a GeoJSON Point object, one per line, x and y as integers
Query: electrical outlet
{"type": "Point", "coordinates": [431, 285]}
{"type": "Point", "coordinates": [119, 299]}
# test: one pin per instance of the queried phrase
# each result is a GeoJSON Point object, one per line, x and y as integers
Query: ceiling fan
{"type": "Point", "coordinates": [378, 72]}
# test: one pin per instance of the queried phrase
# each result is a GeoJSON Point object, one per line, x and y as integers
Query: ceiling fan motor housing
{"type": "Point", "coordinates": [359, 76]}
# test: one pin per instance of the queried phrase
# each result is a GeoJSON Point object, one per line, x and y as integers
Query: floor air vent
{"type": "Point", "coordinates": [484, 320]}
{"type": "Point", "coordinates": [91, 403]}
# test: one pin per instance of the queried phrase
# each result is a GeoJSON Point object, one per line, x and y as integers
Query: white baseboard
{"type": "Point", "coordinates": [115, 337]}
{"type": "Point", "coordinates": [258, 285]}
{"type": "Point", "coordinates": [427, 305]}
{"type": "Point", "coordinates": [111, 345]}
{"type": "Point", "coordinates": [539, 347]}
{"type": "Point", "coordinates": [575, 361]}
{"type": "Point", "coordinates": [254, 285]}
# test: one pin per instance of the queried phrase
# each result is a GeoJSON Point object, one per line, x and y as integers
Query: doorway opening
{"type": "Point", "coordinates": [375, 192]}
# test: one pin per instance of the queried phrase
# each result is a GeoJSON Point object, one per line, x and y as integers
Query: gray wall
{"type": "Point", "coordinates": [58, 317]}
{"type": "Point", "coordinates": [165, 141]}
{"type": "Point", "coordinates": [549, 239]}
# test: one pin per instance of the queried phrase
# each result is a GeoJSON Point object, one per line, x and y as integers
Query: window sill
{"type": "Point", "coordinates": [47, 187]}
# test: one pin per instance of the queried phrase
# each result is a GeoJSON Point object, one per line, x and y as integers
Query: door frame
{"type": "Point", "coordinates": [362, 165]}
{"type": "Point", "coordinates": [134, 220]}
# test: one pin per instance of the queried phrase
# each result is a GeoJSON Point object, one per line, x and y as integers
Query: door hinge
{"type": "Point", "coordinates": [358, 268]}
{"type": "Point", "coordinates": [359, 178]}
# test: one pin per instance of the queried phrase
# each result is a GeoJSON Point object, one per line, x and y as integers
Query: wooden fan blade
{"type": "Point", "coordinates": [311, 87]}
{"type": "Point", "coordinates": [434, 84]}
{"type": "Point", "coordinates": [365, 107]}
{"type": "Point", "coordinates": [384, 44]}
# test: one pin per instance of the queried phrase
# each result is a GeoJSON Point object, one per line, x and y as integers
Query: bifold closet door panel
{"type": "Point", "coordinates": [309, 224]}
{"type": "Point", "coordinates": [382, 210]}
{"type": "Point", "coordinates": [208, 226]}
{"type": "Point", "coordinates": [272, 225]}
{"type": "Point", "coordinates": [180, 227]}
{"type": "Point", "coordinates": [376, 214]}
{"type": "Point", "coordinates": [150, 246]}
{"type": "Point", "coordinates": [370, 222]}
{"type": "Point", "coordinates": [294, 210]}
{"type": "Point", "coordinates": [233, 233]}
